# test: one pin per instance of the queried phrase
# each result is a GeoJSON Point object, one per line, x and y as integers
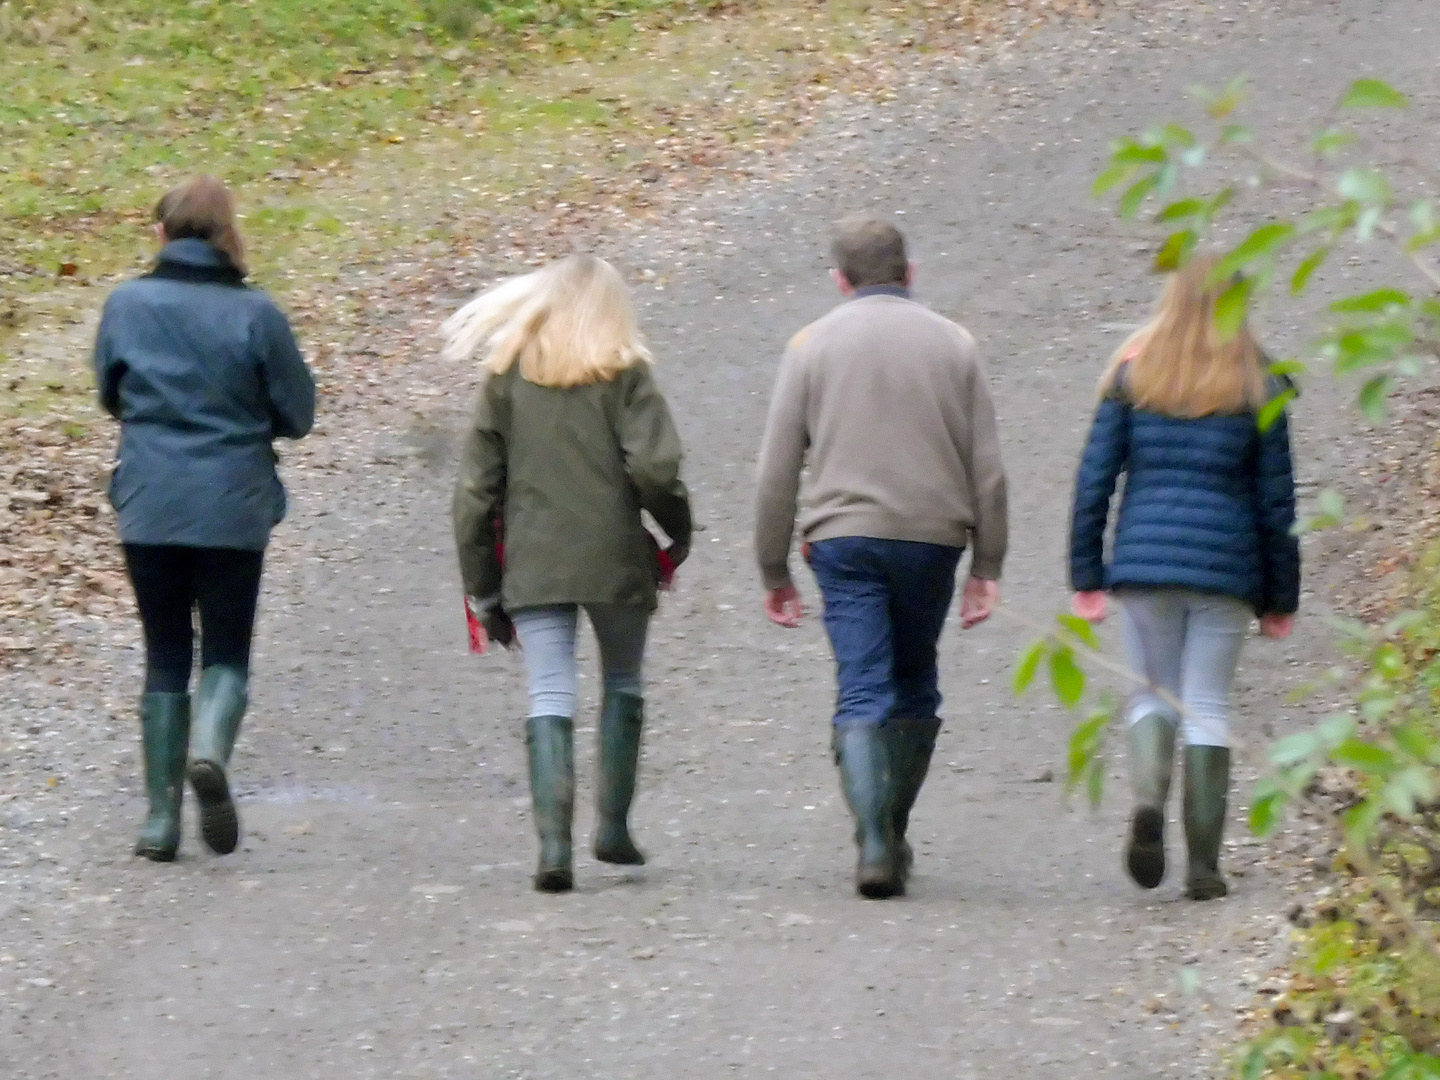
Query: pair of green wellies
{"type": "Point", "coordinates": [882, 767]}
{"type": "Point", "coordinates": [550, 745]}
{"type": "Point", "coordinates": [1207, 783]}
{"type": "Point", "coordinates": [183, 738]}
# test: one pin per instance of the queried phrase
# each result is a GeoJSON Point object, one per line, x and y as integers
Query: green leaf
{"type": "Point", "coordinates": [1130, 152]}
{"type": "Point", "coordinates": [1372, 94]}
{"type": "Point", "coordinates": [1422, 215]}
{"type": "Point", "coordinates": [1273, 409]}
{"type": "Point", "coordinates": [1095, 782]}
{"type": "Point", "coordinates": [1111, 177]}
{"type": "Point", "coordinates": [1307, 267]}
{"type": "Point", "coordinates": [1331, 503]}
{"type": "Point", "coordinates": [1360, 820]}
{"type": "Point", "coordinates": [1364, 756]}
{"type": "Point", "coordinates": [1234, 135]}
{"type": "Point", "coordinates": [1373, 396]}
{"type": "Point", "coordinates": [1080, 628]}
{"type": "Point", "coordinates": [1226, 101]}
{"type": "Point", "coordinates": [1175, 250]}
{"type": "Point", "coordinates": [1066, 677]}
{"type": "Point", "coordinates": [1334, 730]}
{"type": "Point", "coordinates": [1190, 980]}
{"type": "Point", "coordinates": [1183, 210]}
{"type": "Point", "coordinates": [1331, 140]}
{"type": "Point", "coordinates": [1231, 306]}
{"type": "Point", "coordinates": [1415, 784]}
{"type": "Point", "coordinates": [1029, 661]}
{"type": "Point", "coordinates": [1423, 239]}
{"type": "Point", "coordinates": [1367, 222]}
{"type": "Point", "coordinates": [1366, 186]}
{"type": "Point", "coordinates": [1333, 219]}
{"type": "Point", "coordinates": [1414, 740]}
{"type": "Point", "coordinates": [1366, 346]}
{"type": "Point", "coordinates": [1265, 240]}
{"type": "Point", "coordinates": [1288, 368]}
{"type": "Point", "coordinates": [1265, 812]}
{"type": "Point", "coordinates": [1135, 194]}
{"type": "Point", "coordinates": [1377, 302]}
{"type": "Point", "coordinates": [1293, 748]}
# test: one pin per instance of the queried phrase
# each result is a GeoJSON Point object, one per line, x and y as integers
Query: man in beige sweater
{"type": "Point", "coordinates": [885, 402]}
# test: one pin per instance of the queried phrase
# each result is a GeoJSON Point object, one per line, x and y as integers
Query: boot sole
{"type": "Point", "coordinates": [554, 881]}
{"type": "Point", "coordinates": [878, 885]}
{"type": "Point", "coordinates": [156, 854]}
{"type": "Point", "coordinates": [1145, 851]}
{"type": "Point", "coordinates": [219, 824]}
{"type": "Point", "coordinates": [1207, 890]}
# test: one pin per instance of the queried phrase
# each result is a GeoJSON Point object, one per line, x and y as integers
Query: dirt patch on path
{"type": "Point", "coordinates": [378, 921]}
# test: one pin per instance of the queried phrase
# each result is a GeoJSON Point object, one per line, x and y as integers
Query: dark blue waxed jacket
{"type": "Point", "coordinates": [203, 374]}
{"type": "Point", "coordinates": [1209, 504]}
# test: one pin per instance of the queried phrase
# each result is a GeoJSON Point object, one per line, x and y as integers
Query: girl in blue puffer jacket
{"type": "Point", "coordinates": [1203, 544]}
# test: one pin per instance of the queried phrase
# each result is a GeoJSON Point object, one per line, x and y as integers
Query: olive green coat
{"type": "Point", "coordinates": [568, 471]}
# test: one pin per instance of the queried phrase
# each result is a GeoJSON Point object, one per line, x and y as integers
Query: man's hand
{"type": "Point", "coordinates": [1277, 626]}
{"type": "Point", "coordinates": [783, 606]}
{"type": "Point", "coordinates": [978, 600]}
{"type": "Point", "coordinates": [1090, 605]}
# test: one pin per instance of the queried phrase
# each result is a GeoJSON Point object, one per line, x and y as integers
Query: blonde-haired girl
{"type": "Point", "coordinates": [571, 440]}
{"type": "Point", "coordinates": [1203, 540]}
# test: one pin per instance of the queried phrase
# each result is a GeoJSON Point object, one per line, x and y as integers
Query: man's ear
{"type": "Point", "coordinates": [841, 281]}
{"type": "Point", "coordinates": [909, 274]}
{"type": "Point", "coordinates": [160, 233]}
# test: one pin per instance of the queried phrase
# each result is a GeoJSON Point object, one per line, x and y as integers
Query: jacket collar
{"type": "Point", "coordinates": [881, 290]}
{"type": "Point", "coordinates": [193, 259]}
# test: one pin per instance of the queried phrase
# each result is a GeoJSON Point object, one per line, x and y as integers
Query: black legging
{"type": "Point", "coordinates": [170, 583]}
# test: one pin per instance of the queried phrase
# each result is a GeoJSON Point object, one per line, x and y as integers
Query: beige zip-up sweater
{"type": "Point", "coordinates": [886, 403]}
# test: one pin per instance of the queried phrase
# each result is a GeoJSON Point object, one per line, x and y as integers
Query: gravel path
{"type": "Point", "coordinates": [378, 921]}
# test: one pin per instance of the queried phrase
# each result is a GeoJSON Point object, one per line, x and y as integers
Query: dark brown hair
{"type": "Point", "coordinates": [870, 251]}
{"type": "Point", "coordinates": [202, 207]}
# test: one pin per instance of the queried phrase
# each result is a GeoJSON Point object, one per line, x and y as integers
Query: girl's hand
{"type": "Point", "coordinates": [1277, 626]}
{"type": "Point", "coordinates": [1090, 606]}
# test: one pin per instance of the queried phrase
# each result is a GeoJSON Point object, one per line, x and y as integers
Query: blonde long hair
{"type": "Point", "coordinates": [569, 324]}
{"type": "Point", "coordinates": [1177, 364]}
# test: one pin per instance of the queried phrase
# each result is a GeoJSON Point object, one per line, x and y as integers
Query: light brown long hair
{"type": "Point", "coordinates": [569, 324]}
{"type": "Point", "coordinates": [202, 207]}
{"type": "Point", "coordinates": [1177, 363]}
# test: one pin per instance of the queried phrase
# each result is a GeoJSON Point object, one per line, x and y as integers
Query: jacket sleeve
{"type": "Point", "coordinates": [288, 382]}
{"type": "Point", "coordinates": [782, 456]}
{"type": "Point", "coordinates": [1105, 457]}
{"type": "Point", "coordinates": [109, 369]}
{"type": "Point", "coordinates": [990, 535]}
{"type": "Point", "coordinates": [650, 446]}
{"type": "Point", "coordinates": [1279, 547]}
{"type": "Point", "coordinates": [479, 497]}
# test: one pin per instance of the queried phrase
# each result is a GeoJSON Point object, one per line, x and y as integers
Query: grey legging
{"type": "Point", "coordinates": [1187, 643]}
{"type": "Point", "coordinates": [547, 642]}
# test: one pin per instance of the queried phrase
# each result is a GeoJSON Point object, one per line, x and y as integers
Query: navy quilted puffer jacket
{"type": "Point", "coordinates": [1208, 505]}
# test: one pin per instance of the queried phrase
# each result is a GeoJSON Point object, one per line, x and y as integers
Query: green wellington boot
{"type": "Point", "coordinates": [1207, 783]}
{"type": "Point", "coordinates": [621, 718]}
{"type": "Point", "coordinates": [910, 743]}
{"type": "Point", "coordinates": [866, 780]}
{"type": "Point", "coordinates": [164, 734]}
{"type": "Point", "coordinates": [1152, 760]}
{"type": "Point", "coordinates": [550, 746]}
{"type": "Point", "coordinates": [219, 705]}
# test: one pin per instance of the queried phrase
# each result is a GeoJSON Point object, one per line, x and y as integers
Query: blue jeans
{"type": "Point", "coordinates": [885, 605]}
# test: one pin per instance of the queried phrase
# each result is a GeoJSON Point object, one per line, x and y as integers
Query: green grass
{"type": "Point", "coordinates": [118, 99]}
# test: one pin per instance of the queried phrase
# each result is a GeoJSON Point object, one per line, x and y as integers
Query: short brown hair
{"type": "Point", "coordinates": [202, 207]}
{"type": "Point", "coordinates": [869, 250]}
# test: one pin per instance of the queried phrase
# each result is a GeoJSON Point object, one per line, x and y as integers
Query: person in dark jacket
{"type": "Point", "coordinates": [570, 441]}
{"type": "Point", "coordinates": [1203, 544]}
{"type": "Point", "coordinates": [203, 374]}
